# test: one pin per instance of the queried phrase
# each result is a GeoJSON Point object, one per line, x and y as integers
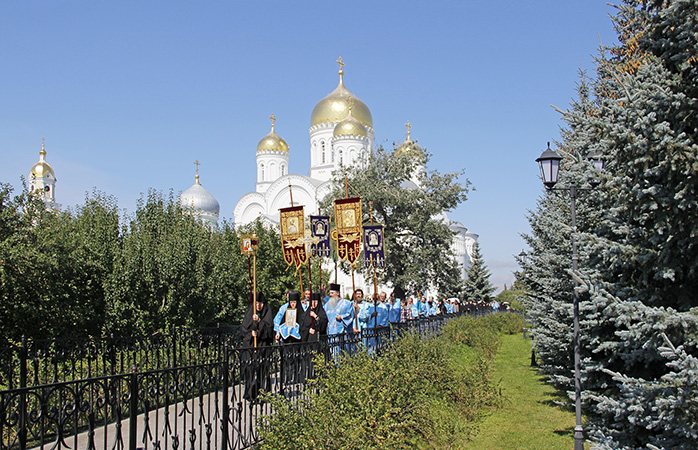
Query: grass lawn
{"type": "Point", "coordinates": [529, 417]}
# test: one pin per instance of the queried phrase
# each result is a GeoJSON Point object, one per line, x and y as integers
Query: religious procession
{"type": "Point", "coordinates": [322, 321]}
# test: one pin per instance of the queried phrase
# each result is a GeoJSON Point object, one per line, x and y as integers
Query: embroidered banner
{"type": "Point", "coordinates": [374, 252]}
{"type": "Point", "coordinates": [347, 212]}
{"type": "Point", "coordinates": [292, 223]}
{"type": "Point", "coordinates": [320, 231]}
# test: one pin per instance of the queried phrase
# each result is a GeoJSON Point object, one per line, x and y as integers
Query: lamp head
{"type": "Point", "coordinates": [549, 163]}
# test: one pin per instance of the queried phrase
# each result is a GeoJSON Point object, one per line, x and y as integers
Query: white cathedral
{"type": "Point", "coordinates": [341, 135]}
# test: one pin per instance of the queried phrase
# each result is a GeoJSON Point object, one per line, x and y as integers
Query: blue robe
{"type": "Point", "coordinates": [280, 324]}
{"type": "Point", "coordinates": [345, 309]}
{"type": "Point", "coordinates": [365, 311]}
{"type": "Point", "coordinates": [415, 310]}
{"type": "Point", "coordinates": [394, 314]}
{"type": "Point", "coordinates": [383, 314]}
{"type": "Point", "coordinates": [449, 308]}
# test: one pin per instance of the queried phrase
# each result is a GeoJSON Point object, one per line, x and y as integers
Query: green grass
{"type": "Point", "coordinates": [529, 417]}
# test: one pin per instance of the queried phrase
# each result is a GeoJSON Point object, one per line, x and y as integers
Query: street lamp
{"type": "Point", "coordinates": [549, 163]}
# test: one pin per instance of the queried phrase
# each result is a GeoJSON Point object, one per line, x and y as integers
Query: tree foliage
{"type": "Point", "coordinates": [409, 201]}
{"type": "Point", "coordinates": [90, 272]}
{"type": "Point", "coordinates": [478, 287]}
{"type": "Point", "coordinates": [637, 235]}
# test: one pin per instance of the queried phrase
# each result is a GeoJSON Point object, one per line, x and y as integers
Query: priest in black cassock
{"type": "Point", "coordinates": [255, 362]}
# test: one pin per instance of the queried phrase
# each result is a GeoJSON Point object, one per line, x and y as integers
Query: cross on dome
{"type": "Point", "coordinates": [409, 128]}
{"type": "Point", "coordinates": [197, 164]}
{"type": "Point", "coordinates": [341, 65]}
{"type": "Point", "coordinates": [273, 120]}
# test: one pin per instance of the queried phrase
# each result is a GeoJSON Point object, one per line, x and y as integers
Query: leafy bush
{"type": "Point", "coordinates": [419, 395]}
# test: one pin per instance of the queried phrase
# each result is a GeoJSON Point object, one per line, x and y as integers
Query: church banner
{"type": "Point", "coordinates": [374, 253]}
{"type": "Point", "coordinates": [292, 223]}
{"type": "Point", "coordinates": [347, 213]}
{"type": "Point", "coordinates": [320, 230]}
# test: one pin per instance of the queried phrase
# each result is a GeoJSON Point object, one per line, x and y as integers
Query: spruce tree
{"type": "Point", "coordinates": [478, 287]}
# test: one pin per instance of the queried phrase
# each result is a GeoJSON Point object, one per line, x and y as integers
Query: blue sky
{"type": "Point", "coordinates": [128, 94]}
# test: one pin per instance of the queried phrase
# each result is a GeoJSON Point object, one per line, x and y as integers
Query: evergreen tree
{"type": "Point", "coordinates": [637, 236]}
{"type": "Point", "coordinates": [477, 286]}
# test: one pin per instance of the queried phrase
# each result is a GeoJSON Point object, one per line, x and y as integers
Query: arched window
{"type": "Point", "coordinates": [261, 172]}
{"type": "Point", "coordinates": [332, 155]}
{"type": "Point", "coordinates": [283, 169]}
{"type": "Point", "coordinates": [340, 158]}
{"type": "Point", "coordinates": [322, 151]}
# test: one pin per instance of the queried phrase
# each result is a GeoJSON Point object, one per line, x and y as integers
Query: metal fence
{"type": "Point", "coordinates": [191, 389]}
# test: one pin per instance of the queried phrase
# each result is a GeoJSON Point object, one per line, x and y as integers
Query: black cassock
{"type": "Point", "coordinates": [255, 363]}
{"type": "Point", "coordinates": [316, 342]}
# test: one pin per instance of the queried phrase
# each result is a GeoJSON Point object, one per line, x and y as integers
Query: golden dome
{"type": "Point", "coordinates": [42, 168]}
{"type": "Point", "coordinates": [335, 107]}
{"type": "Point", "coordinates": [350, 127]}
{"type": "Point", "coordinates": [272, 141]}
{"type": "Point", "coordinates": [409, 147]}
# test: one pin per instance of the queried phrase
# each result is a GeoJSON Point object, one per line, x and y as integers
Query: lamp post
{"type": "Point", "coordinates": [549, 163]}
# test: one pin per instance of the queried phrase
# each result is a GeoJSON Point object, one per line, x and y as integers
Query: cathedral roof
{"type": "Point", "coordinates": [272, 141]}
{"type": "Point", "coordinates": [350, 126]}
{"type": "Point", "coordinates": [203, 203]}
{"type": "Point", "coordinates": [409, 147]}
{"type": "Point", "coordinates": [335, 107]}
{"type": "Point", "coordinates": [42, 168]}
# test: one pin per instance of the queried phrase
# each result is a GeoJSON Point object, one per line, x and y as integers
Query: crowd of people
{"type": "Point", "coordinates": [308, 318]}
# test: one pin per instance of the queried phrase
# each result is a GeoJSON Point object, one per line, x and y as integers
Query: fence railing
{"type": "Point", "coordinates": [194, 389]}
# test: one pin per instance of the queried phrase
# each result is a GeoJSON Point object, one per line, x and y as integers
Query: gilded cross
{"type": "Point", "coordinates": [409, 128]}
{"type": "Point", "coordinates": [273, 120]}
{"type": "Point", "coordinates": [341, 64]}
{"type": "Point", "coordinates": [197, 164]}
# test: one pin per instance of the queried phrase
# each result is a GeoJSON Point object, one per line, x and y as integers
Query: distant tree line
{"type": "Point", "coordinates": [638, 236]}
{"type": "Point", "coordinates": [90, 272]}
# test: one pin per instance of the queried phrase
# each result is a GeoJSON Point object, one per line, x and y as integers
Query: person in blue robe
{"type": "Point", "coordinates": [340, 312]}
{"type": "Point", "coordinates": [383, 311]}
{"type": "Point", "coordinates": [414, 306]}
{"type": "Point", "coordinates": [362, 310]}
{"type": "Point", "coordinates": [394, 314]}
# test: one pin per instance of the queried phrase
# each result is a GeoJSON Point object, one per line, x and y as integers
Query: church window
{"type": "Point", "coordinates": [283, 169]}
{"type": "Point", "coordinates": [332, 155]}
{"type": "Point", "coordinates": [323, 154]}
{"type": "Point", "coordinates": [340, 158]}
{"type": "Point", "coordinates": [261, 171]}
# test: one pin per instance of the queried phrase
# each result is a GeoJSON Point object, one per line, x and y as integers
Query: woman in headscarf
{"type": "Point", "coordinates": [256, 361]}
{"type": "Point", "coordinates": [287, 327]}
{"type": "Point", "coordinates": [314, 321]}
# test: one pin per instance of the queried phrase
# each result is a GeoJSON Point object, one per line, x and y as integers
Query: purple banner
{"type": "Point", "coordinates": [374, 254]}
{"type": "Point", "coordinates": [320, 230]}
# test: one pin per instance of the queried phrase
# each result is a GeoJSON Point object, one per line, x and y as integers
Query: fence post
{"type": "Point", "coordinates": [133, 410]}
{"type": "Point", "coordinates": [226, 407]}
{"type": "Point", "coordinates": [23, 355]}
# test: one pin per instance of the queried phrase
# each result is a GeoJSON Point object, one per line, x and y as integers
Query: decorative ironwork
{"type": "Point", "coordinates": [192, 389]}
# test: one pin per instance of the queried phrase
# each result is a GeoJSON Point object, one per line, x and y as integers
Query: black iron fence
{"type": "Point", "coordinates": [192, 389]}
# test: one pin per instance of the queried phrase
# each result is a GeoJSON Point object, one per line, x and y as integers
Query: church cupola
{"type": "Point", "coordinates": [272, 158]}
{"type": "Point", "coordinates": [410, 148]}
{"type": "Point", "coordinates": [341, 131]}
{"type": "Point", "coordinates": [350, 141]}
{"type": "Point", "coordinates": [42, 178]}
{"type": "Point", "coordinates": [201, 203]}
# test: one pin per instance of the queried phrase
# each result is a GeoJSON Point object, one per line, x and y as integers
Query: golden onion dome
{"type": "Point", "coordinates": [350, 127]}
{"type": "Point", "coordinates": [42, 168]}
{"type": "Point", "coordinates": [272, 141]}
{"type": "Point", "coordinates": [335, 106]}
{"type": "Point", "coordinates": [409, 147]}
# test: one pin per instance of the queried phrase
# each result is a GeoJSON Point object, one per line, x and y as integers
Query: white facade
{"type": "Point", "coordinates": [341, 134]}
